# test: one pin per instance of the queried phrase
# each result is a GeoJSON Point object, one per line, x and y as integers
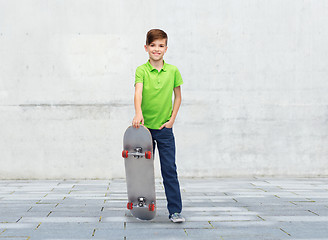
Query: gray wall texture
{"type": "Point", "coordinates": [255, 87]}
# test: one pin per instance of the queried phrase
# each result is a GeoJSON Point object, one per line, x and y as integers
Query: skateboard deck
{"type": "Point", "coordinates": [139, 171]}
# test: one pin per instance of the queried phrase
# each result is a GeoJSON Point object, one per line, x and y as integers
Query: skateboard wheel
{"type": "Point", "coordinates": [151, 207]}
{"type": "Point", "coordinates": [148, 155]}
{"type": "Point", "coordinates": [125, 154]}
{"type": "Point", "coordinates": [130, 205]}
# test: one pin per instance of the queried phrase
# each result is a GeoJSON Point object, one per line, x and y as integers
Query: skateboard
{"type": "Point", "coordinates": [139, 170]}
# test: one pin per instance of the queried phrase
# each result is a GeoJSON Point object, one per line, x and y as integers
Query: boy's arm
{"type": "Point", "coordinates": [176, 106]}
{"type": "Point", "coordinates": [137, 106]}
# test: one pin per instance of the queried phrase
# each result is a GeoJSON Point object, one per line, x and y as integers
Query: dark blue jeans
{"type": "Point", "coordinates": [166, 147]}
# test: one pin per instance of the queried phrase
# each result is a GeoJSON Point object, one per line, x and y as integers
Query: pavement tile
{"type": "Point", "coordinates": [142, 234]}
{"type": "Point", "coordinates": [255, 232]}
{"type": "Point", "coordinates": [306, 229]}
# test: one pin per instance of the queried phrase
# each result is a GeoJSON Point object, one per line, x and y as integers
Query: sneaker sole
{"type": "Point", "coordinates": [178, 221]}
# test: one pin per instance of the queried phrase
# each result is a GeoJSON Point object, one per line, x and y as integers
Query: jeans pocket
{"type": "Point", "coordinates": [168, 129]}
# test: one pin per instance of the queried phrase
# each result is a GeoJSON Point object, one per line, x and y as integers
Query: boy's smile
{"type": "Point", "coordinates": [156, 49]}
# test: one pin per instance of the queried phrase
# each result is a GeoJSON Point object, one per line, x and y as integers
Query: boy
{"type": "Point", "coordinates": [155, 82]}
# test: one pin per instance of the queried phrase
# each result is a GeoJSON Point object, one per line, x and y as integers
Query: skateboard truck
{"type": "Point", "coordinates": [137, 154]}
{"type": "Point", "coordinates": [141, 201]}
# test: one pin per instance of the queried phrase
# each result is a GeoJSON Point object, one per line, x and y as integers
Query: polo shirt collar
{"type": "Point", "coordinates": [151, 68]}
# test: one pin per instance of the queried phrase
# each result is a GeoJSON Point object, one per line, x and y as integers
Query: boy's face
{"type": "Point", "coordinates": [156, 49]}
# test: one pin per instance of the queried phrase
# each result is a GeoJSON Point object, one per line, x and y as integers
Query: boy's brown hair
{"type": "Point", "coordinates": [155, 34]}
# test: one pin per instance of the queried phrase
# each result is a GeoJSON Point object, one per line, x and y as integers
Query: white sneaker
{"type": "Point", "coordinates": [177, 218]}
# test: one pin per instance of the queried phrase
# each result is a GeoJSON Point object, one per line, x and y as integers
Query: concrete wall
{"type": "Point", "coordinates": [255, 96]}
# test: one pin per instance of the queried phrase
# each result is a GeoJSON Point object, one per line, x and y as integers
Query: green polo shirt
{"type": "Point", "coordinates": [157, 92]}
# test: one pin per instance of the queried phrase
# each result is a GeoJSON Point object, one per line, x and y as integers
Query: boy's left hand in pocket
{"type": "Point", "coordinates": [168, 124]}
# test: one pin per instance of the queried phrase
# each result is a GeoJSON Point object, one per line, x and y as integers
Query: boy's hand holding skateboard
{"type": "Point", "coordinates": [138, 118]}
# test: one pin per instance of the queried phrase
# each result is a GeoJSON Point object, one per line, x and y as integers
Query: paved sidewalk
{"type": "Point", "coordinates": [227, 208]}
